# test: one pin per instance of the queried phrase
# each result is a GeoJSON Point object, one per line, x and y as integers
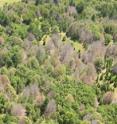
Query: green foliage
{"type": "Point", "coordinates": [3, 18]}
{"type": "Point", "coordinates": [14, 56]}
{"type": "Point", "coordinates": [33, 63]}
{"type": "Point", "coordinates": [108, 39]}
{"type": "Point", "coordinates": [32, 111]}
{"type": "Point", "coordinates": [85, 95]}
{"type": "Point", "coordinates": [7, 119]}
{"type": "Point", "coordinates": [39, 28]}
{"type": "Point", "coordinates": [10, 120]}
{"type": "Point", "coordinates": [3, 103]}
{"type": "Point", "coordinates": [108, 9]}
{"type": "Point", "coordinates": [109, 113]}
{"type": "Point", "coordinates": [19, 30]}
{"type": "Point", "coordinates": [107, 79]}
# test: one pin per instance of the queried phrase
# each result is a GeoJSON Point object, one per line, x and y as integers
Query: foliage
{"type": "Point", "coordinates": [109, 113]}
{"type": "Point", "coordinates": [58, 62]}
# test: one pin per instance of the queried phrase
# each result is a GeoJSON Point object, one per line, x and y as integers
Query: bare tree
{"type": "Point", "coordinates": [85, 35]}
{"type": "Point", "coordinates": [88, 75]}
{"type": "Point", "coordinates": [111, 52]}
{"type": "Point", "coordinates": [40, 98]}
{"type": "Point", "coordinates": [95, 51]}
{"type": "Point", "coordinates": [4, 80]}
{"type": "Point", "coordinates": [1, 40]}
{"type": "Point", "coordinates": [18, 110]}
{"type": "Point", "coordinates": [66, 53]}
{"type": "Point", "coordinates": [31, 90]}
{"type": "Point", "coordinates": [107, 98]}
{"type": "Point", "coordinates": [50, 109]}
{"type": "Point", "coordinates": [72, 10]}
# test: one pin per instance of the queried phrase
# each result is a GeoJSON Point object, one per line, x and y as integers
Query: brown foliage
{"type": "Point", "coordinates": [114, 101]}
{"type": "Point", "coordinates": [78, 69]}
{"type": "Point", "coordinates": [87, 57]}
{"type": "Point", "coordinates": [88, 75]}
{"type": "Point", "coordinates": [111, 52]}
{"type": "Point", "coordinates": [40, 98]}
{"type": "Point", "coordinates": [22, 121]}
{"type": "Point", "coordinates": [110, 97]}
{"type": "Point", "coordinates": [50, 109]}
{"type": "Point", "coordinates": [31, 90]}
{"type": "Point", "coordinates": [51, 94]}
{"type": "Point", "coordinates": [18, 110]}
{"type": "Point", "coordinates": [54, 43]}
{"type": "Point", "coordinates": [114, 69]}
{"type": "Point", "coordinates": [66, 53]}
{"type": "Point", "coordinates": [115, 37]}
{"type": "Point", "coordinates": [4, 81]}
{"type": "Point", "coordinates": [56, 40]}
{"type": "Point", "coordinates": [31, 37]}
{"type": "Point", "coordinates": [85, 35]}
{"type": "Point", "coordinates": [107, 98]}
{"type": "Point", "coordinates": [72, 10]}
{"type": "Point", "coordinates": [95, 51]}
{"type": "Point", "coordinates": [1, 40]}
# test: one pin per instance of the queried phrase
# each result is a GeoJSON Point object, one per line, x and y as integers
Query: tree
{"type": "Point", "coordinates": [50, 109]}
{"type": "Point", "coordinates": [4, 20]}
{"type": "Point", "coordinates": [18, 110]}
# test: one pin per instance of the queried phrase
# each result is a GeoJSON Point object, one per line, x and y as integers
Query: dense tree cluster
{"type": "Point", "coordinates": [58, 62]}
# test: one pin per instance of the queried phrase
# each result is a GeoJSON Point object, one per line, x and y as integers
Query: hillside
{"type": "Point", "coordinates": [58, 62]}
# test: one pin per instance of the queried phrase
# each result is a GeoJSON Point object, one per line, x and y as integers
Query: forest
{"type": "Point", "coordinates": [58, 62]}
